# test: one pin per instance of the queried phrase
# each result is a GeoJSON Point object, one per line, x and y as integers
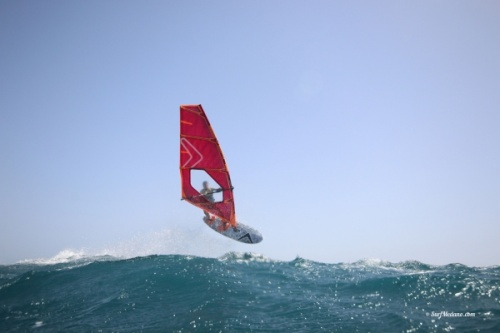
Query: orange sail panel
{"type": "Point", "coordinates": [200, 150]}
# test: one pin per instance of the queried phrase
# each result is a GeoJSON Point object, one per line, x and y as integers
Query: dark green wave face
{"type": "Point", "coordinates": [247, 293]}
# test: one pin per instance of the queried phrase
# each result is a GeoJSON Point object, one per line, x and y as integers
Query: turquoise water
{"type": "Point", "coordinates": [246, 293]}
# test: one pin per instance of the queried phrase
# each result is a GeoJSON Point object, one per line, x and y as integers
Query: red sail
{"type": "Point", "coordinates": [200, 150]}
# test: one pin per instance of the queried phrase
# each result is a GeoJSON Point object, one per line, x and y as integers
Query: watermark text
{"type": "Point", "coordinates": [451, 314]}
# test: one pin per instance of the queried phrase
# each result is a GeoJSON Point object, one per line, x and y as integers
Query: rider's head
{"type": "Point", "coordinates": [205, 184]}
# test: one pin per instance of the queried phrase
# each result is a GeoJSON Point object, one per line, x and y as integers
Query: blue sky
{"type": "Point", "coordinates": [352, 129]}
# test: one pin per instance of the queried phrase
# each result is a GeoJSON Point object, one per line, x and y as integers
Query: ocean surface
{"type": "Point", "coordinates": [244, 292]}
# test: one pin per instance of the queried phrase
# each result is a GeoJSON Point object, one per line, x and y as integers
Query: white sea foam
{"type": "Point", "coordinates": [64, 256]}
{"type": "Point", "coordinates": [408, 267]}
{"type": "Point", "coordinates": [245, 257]}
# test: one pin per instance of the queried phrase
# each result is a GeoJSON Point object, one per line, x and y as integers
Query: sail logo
{"type": "Point", "coordinates": [193, 153]}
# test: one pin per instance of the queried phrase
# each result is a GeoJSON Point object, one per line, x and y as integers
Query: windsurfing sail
{"type": "Point", "coordinates": [200, 150]}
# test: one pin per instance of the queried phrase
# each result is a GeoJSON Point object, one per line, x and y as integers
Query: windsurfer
{"type": "Point", "coordinates": [208, 193]}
